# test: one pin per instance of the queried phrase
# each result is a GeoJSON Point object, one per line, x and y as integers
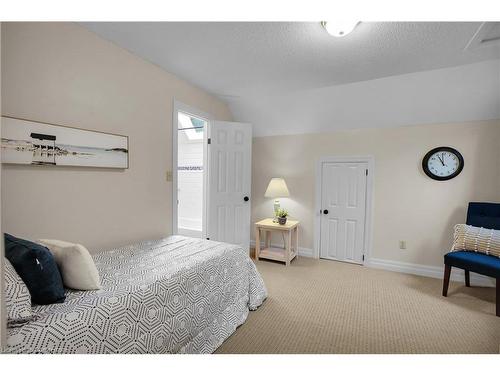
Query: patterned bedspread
{"type": "Point", "coordinates": [174, 295]}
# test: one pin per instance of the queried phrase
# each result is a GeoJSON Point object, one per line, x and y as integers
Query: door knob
{"type": "Point", "coordinates": [325, 212]}
{"type": "Point", "coordinates": [246, 199]}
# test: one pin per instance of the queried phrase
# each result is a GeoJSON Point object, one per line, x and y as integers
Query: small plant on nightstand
{"type": "Point", "coordinates": [281, 214]}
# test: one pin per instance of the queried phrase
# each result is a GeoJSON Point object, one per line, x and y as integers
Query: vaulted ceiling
{"type": "Point", "coordinates": [247, 61]}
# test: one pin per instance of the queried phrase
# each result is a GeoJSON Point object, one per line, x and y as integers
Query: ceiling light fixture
{"type": "Point", "coordinates": [339, 29]}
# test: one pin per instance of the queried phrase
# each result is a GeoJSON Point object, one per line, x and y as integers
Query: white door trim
{"type": "Point", "coordinates": [177, 107]}
{"type": "Point", "coordinates": [368, 240]}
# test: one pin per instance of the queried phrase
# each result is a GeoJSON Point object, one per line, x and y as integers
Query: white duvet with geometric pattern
{"type": "Point", "coordinates": [174, 295]}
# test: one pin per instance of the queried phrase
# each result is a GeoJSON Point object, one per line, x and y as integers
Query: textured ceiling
{"type": "Point", "coordinates": [251, 58]}
{"type": "Point", "coordinates": [287, 78]}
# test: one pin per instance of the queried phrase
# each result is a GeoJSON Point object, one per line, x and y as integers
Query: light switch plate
{"type": "Point", "coordinates": [402, 245]}
{"type": "Point", "coordinates": [168, 176]}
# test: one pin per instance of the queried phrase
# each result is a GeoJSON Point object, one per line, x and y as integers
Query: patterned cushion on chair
{"type": "Point", "coordinates": [17, 297]}
{"type": "Point", "coordinates": [477, 239]}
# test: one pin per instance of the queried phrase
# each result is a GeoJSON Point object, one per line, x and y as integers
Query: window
{"type": "Point", "coordinates": [192, 126]}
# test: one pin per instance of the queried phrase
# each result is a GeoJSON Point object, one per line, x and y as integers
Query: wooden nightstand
{"type": "Point", "coordinates": [291, 231]}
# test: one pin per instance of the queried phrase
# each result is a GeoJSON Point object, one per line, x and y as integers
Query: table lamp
{"type": "Point", "coordinates": [276, 189]}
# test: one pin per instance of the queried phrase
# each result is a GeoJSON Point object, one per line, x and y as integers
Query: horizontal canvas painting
{"type": "Point", "coordinates": [29, 142]}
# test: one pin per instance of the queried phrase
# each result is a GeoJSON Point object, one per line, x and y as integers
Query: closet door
{"type": "Point", "coordinates": [229, 182]}
{"type": "Point", "coordinates": [343, 211]}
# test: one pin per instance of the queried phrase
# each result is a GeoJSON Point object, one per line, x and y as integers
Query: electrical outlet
{"type": "Point", "coordinates": [402, 245]}
{"type": "Point", "coordinates": [168, 176]}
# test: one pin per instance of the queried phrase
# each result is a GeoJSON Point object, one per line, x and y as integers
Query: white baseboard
{"type": "Point", "coordinates": [429, 271]}
{"type": "Point", "coordinates": [303, 251]}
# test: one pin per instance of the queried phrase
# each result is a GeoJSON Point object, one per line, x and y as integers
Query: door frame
{"type": "Point", "coordinates": [368, 238]}
{"type": "Point", "coordinates": [178, 106]}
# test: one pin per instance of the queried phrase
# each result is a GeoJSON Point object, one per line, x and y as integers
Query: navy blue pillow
{"type": "Point", "coordinates": [36, 266]}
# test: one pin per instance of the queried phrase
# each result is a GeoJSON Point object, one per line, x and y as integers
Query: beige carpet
{"type": "Point", "coordinates": [320, 306]}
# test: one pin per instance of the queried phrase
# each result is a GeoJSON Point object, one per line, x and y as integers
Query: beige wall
{"type": "Point", "coordinates": [407, 204]}
{"type": "Point", "coordinates": [61, 73]}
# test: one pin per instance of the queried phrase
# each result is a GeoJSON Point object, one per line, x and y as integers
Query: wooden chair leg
{"type": "Point", "coordinates": [467, 278]}
{"type": "Point", "coordinates": [446, 279]}
{"type": "Point", "coordinates": [498, 296]}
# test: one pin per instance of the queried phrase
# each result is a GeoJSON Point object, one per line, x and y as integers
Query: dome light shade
{"type": "Point", "coordinates": [339, 29]}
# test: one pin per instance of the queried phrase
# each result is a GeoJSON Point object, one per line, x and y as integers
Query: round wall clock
{"type": "Point", "coordinates": [443, 163]}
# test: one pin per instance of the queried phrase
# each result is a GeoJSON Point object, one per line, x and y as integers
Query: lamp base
{"type": "Point", "coordinates": [276, 208]}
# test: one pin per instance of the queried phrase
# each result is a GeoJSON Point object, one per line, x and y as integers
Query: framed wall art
{"type": "Point", "coordinates": [38, 143]}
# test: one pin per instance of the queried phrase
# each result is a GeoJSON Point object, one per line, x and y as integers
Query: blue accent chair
{"type": "Point", "coordinates": [479, 214]}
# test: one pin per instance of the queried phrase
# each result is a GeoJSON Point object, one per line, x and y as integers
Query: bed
{"type": "Point", "coordinates": [173, 295]}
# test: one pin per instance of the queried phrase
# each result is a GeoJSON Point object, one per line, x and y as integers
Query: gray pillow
{"type": "Point", "coordinates": [17, 297]}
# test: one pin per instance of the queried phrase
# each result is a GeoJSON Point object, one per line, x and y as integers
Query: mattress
{"type": "Point", "coordinates": [173, 295]}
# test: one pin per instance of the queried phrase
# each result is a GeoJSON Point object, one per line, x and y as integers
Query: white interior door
{"type": "Point", "coordinates": [343, 210]}
{"type": "Point", "coordinates": [229, 175]}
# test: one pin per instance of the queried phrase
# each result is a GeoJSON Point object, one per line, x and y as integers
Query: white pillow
{"type": "Point", "coordinates": [481, 240]}
{"type": "Point", "coordinates": [17, 297]}
{"type": "Point", "coordinates": [75, 263]}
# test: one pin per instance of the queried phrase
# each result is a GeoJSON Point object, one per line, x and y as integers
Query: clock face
{"type": "Point", "coordinates": [443, 163]}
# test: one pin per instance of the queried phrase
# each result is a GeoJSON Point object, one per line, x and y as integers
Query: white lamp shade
{"type": "Point", "coordinates": [277, 188]}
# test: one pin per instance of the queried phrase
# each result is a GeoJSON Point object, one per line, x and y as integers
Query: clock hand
{"type": "Point", "coordinates": [441, 160]}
